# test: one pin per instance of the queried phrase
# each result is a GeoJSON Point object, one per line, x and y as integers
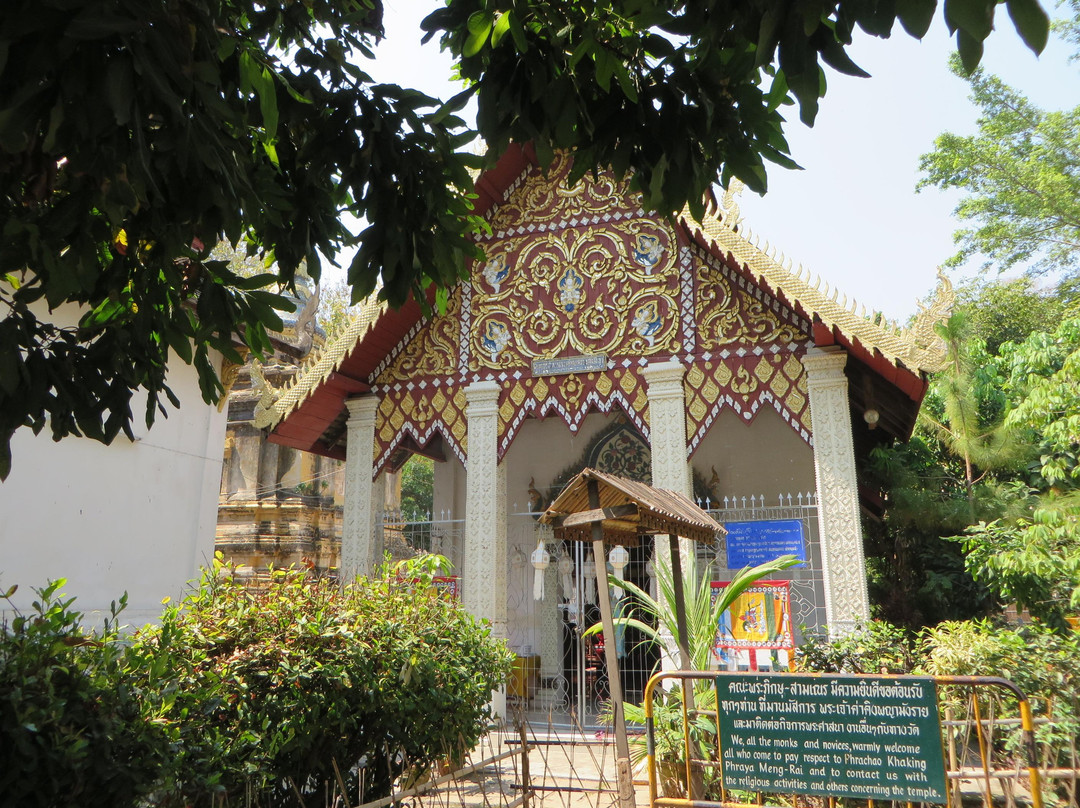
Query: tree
{"type": "Point", "coordinates": [417, 488]}
{"type": "Point", "coordinates": [137, 134]}
{"type": "Point", "coordinates": [1022, 189]}
{"type": "Point", "coordinates": [1001, 311]}
{"type": "Point", "coordinates": [970, 460]}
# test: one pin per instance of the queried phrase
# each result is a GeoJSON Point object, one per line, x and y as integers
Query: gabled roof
{"type": "Point", "coordinates": [628, 509]}
{"type": "Point", "coordinates": [301, 415]}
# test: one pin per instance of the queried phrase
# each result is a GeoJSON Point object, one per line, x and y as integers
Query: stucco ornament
{"type": "Point", "coordinates": [495, 271]}
{"type": "Point", "coordinates": [647, 321]}
{"type": "Point", "coordinates": [843, 565]}
{"type": "Point", "coordinates": [268, 394]}
{"type": "Point", "coordinates": [648, 251]}
{"type": "Point", "coordinates": [496, 338]}
{"type": "Point", "coordinates": [570, 284]}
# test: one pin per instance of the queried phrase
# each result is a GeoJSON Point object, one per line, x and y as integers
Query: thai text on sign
{"type": "Point", "coordinates": [864, 737]}
{"type": "Point", "coordinates": [753, 543]}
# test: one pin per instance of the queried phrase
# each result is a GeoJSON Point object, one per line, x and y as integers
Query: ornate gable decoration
{"type": "Point", "coordinates": [584, 272]}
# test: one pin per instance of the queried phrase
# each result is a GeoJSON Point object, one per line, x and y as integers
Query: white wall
{"type": "Point", "coordinates": [136, 517]}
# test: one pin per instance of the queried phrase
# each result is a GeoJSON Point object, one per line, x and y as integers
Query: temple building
{"type": "Point", "coordinates": [596, 334]}
{"type": "Point", "coordinates": [277, 506]}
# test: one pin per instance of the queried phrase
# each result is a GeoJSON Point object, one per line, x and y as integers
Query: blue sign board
{"type": "Point", "coordinates": [753, 543]}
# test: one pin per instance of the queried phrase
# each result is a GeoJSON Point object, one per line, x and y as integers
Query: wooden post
{"type": "Point", "coordinates": [622, 745]}
{"type": "Point", "coordinates": [694, 783]}
{"type": "Point", "coordinates": [526, 779]}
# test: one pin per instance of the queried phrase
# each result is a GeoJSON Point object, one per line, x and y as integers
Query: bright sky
{"type": "Point", "coordinates": [852, 216]}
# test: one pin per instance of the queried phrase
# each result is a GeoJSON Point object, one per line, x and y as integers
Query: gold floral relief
{"type": "Point", "coordinates": [728, 315]}
{"type": "Point", "coordinates": [432, 352]}
{"type": "Point", "coordinates": [796, 399]}
{"type": "Point", "coordinates": [764, 370]}
{"type": "Point", "coordinates": [572, 390]}
{"type": "Point", "coordinates": [541, 199]}
{"type": "Point", "coordinates": [608, 288]}
{"type": "Point", "coordinates": [517, 394]}
{"type": "Point", "coordinates": [764, 327]}
{"type": "Point", "coordinates": [698, 410]}
{"type": "Point", "coordinates": [716, 309]}
{"type": "Point", "coordinates": [793, 367]}
{"type": "Point", "coordinates": [743, 383]}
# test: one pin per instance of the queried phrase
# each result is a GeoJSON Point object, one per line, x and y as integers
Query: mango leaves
{"type": "Point", "coordinates": [135, 135]}
{"type": "Point", "coordinates": [683, 95]}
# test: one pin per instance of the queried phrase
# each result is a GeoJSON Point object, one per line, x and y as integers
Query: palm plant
{"type": "Point", "coordinates": [656, 619]}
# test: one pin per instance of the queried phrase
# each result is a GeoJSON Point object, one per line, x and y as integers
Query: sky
{"type": "Point", "coordinates": [852, 215]}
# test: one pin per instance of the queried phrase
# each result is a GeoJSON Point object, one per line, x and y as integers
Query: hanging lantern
{"type": "Point", "coordinates": [618, 558]}
{"type": "Point", "coordinates": [588, 570]}
{"type": "Point", "coordinates": [566, 573]}
{"type": "Point", "coordinates": [540, 561]}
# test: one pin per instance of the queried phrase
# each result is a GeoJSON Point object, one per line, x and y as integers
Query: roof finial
{"type": "Point", "coordinates": [268, 394]}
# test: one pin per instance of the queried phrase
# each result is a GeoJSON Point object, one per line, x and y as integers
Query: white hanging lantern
{"type": "Point", "coordinates": [541, 559]}
{"type": "Point", "coordinates": [588, 571]}
{"type": "Point", "coordinates": [566, 573]}
{"type": "Point", "coordinates": [650, 570]}
{"type": "Point", "coordinates": [618, 558]}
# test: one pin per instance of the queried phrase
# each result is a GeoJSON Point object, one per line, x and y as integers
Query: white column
{"type": "Point", "coordinates": [670, 467]}
{"type": "Point", "coordinates": [667, 426]}
{"type": "Point", "coordinates": [483, 579]}
{"type": "Point", "coordinates": [842, 560]}
{"type": "Point", "coordinates": [359, 554]}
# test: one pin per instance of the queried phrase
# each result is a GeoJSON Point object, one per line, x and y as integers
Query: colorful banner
{"type": "Point", "coordinates": [760, 618]}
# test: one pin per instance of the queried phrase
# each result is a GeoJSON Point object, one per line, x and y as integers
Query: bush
{"type": "Point", "coordinates": [874, 647]}
{"type": "Point", "coordinates": [1043, 663]}
{"type": "Point", "coordinates": [270, 688]}
{"type": "Point", "coordinates": [73, 722]}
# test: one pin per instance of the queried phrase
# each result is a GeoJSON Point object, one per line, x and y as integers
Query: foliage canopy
{"type": "Point", "coordinates": [1019, 178]}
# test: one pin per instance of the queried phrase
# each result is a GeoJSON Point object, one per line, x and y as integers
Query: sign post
{"type": "Point", "coordinates": [867, 737]}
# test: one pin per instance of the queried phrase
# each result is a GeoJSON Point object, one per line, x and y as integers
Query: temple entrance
{"type": "Point", "coordinates": [571, 684]}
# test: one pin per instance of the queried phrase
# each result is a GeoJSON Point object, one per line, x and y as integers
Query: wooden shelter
{"type": "Point", "coordinates": [607, 509]}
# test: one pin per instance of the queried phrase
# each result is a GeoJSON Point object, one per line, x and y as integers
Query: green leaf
{"type": "Point", "coordinates": [271, 152]}
{"type": "Point", "coordinates": [1032, 23]}
{"type": "Point", "coordinates": [502, 26]}
{"type": "Point", "coordinates": [453, 105]}
{"type": "Point", "coordinates": [119, 88]}
{"type": "Point", "coordinates": [916, 15]}
{"type": "Point", "coordinates": [479, 27]}
{"type": "Point", "coordinates": [970, 50]}
{"type": "Point", "coordinates": [976, 17]}
{"type": "Point", "coordinates": [836, 57]}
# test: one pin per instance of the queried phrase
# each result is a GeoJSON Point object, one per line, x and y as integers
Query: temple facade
{"type": "Point", "coordinates": [595, 334]}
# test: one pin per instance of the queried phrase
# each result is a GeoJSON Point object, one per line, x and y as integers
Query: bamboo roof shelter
{"type": "Point", "coordinates": [607, 509]}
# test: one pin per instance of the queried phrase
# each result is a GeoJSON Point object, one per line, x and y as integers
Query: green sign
{"type": "Point", "coordinates": [867, 737]}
